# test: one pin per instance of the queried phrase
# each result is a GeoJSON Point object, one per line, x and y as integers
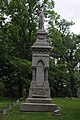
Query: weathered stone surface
{"type": "Point", "coordinates": [41, 19]}
{"type": "Point", "coordinates": [38, 107]}
{"type": "Point", "coordinates": [56, 112]}
{"type": "Point", "coordinates": [39, 100]}
{"type": "Point", "coordinates": [39, 92]}
{"type": "Point", "coordinates": [40, 64]}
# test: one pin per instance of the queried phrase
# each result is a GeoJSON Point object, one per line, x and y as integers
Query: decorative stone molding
{"type": "Point", "coordinates": [42, 59]}
{"type": "Point", "coordinates": [40, 51]}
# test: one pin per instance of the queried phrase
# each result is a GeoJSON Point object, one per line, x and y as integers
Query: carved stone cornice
{"type": "Point", "coordinates": [40, 51]}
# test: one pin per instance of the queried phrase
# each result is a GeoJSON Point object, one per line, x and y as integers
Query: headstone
{"type": "Point", "coordinates": [56, 112]}
{"type": "Point", "coordinates": [78, 92]}
{"type": "Point", "coordinates": [8, 107]}
{"type": "Point", "coordinates": [39, 93]}
{"type": "Point", "coordinates": [17, 101]}
{"type": "Point", "coordinates": [3, 112]}
{"type": "Point", "coordinates": [13, 104]}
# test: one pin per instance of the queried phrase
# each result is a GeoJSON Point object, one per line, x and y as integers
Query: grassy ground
{"type": "Point", "coordinates": [70, 110]}
{"type": "Point", "coordinates": [5, 102]}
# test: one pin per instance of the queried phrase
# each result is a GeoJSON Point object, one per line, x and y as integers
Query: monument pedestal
{"type": "Point", "coordinates": [38, 107]}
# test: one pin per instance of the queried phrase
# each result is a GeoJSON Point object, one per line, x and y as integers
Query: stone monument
{"type": "Point", "coordinates": [39, 93]}
{"type": "Point", "coordinates": [78, 92]}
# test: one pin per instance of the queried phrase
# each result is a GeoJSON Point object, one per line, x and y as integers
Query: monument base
{"type": "Point", "coordinates": [38, 105]}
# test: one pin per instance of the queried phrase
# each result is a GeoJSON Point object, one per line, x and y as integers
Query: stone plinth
{"type": "Point", "coordinates": [38, 107]}
{"type": "Point", "coordinates": [39, 100]}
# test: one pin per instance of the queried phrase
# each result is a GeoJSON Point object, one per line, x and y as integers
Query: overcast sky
{"type": "Point", "coordinates": [69, 10]}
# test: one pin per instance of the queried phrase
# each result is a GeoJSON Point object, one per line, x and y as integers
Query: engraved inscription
{"type": "Point", "coordinates": [39, 91]}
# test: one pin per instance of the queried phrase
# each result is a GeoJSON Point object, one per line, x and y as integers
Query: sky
{"type": "Point", "coordinates": [69, 10]}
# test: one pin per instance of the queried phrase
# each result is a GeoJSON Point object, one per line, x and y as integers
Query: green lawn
{"type": "Point", "coordinates": [70, 110]}
{"type": "Point", "coordinates": [4, 102]}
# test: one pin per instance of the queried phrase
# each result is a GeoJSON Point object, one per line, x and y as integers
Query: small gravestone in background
{"type": "Point", "coordinates": [78, 92]}
{"type": "Point", "coordinates": [3, 112]}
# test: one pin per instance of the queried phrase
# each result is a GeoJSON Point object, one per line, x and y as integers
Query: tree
{"type": "Point", "coordinates": [18, 26]}
{"type": "Point", "coordinates": [72, 59]}
{"type": "Point", "coordinates": [65, 49]}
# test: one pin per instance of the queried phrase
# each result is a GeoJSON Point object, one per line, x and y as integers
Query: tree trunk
{"type": "Point", "coordinates": [62, 89]}
{"type": "Point", "coordinates": [20, 85]}
{"type": "Point", "coordinates": [72, 87]}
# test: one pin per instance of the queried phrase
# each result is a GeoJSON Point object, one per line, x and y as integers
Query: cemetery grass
{"type": "Point", "coordinates": [5, 102]}
{"type": "Point", "coordinates": [70, 110]}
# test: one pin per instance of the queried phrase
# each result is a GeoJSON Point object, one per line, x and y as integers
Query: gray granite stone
{"type": "Point", "coordinates": [38, 107]}
{"type": "Point", "coordinates": [39, 93]}
{"type": "Point", "coordinates": [39, 100]}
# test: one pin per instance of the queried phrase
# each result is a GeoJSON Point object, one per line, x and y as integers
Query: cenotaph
{"type": "Point", "coordinates": [39, 93]}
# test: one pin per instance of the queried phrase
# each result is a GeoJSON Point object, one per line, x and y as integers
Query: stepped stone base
{"type": "Point", "coordinates": [38, 107]}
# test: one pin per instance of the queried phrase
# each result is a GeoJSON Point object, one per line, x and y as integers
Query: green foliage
{"type": "Point", "coordinates": [18, 27]}
{"type": "Point", "coordinates": [18, 23]}
{"type": "Point", "coordinates": [65, 53]}
{"type": "Point", "coordinates": [1, 89]}
{"type": "Point", "coordinates": [21, 64]}
{"type": "Point", "coordinates": [5, 102]}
